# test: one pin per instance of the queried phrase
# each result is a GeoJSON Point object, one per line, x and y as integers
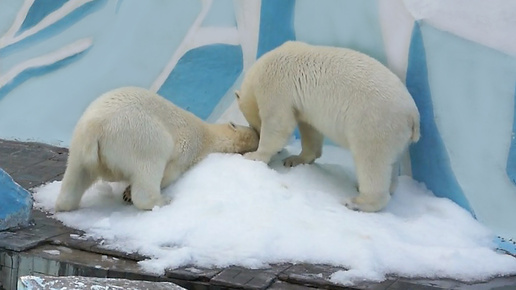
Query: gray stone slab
{"type": "Point", "coordinates": [26, 161]}
{"type": "Point", "coordinates": [89, 264]}
{"type": "Point", "coordinates": [8, 147]}
{"type": "Point", "coordinates": [99, 248]}
{"type": "Point", "coordinates": [500, 283]}
{"type": "Point", "coordinates": [319, 276]}
{"type": "Point", "coordinates": [77, 240]}
{"type": "Point", "coordinates": [243, 278]}
{"type": "Point", "coordinates": [28, 156]}
{"type": "Point", "coordinates": [43, 218]}
{"type": "Point", "coordinates": [192, 273]}
{"type": "Point", "coordinates": [40, 173]}
{"type": "Point", "coordinates": [403, 285]}
{"type": "Point", "coordinates": [76, 282]}
{"type": "Point", "coordinates": [280, 285]}
{"type": "Point", "coordinates": [29, 237]}
{"type": "Point", "coordinates": [310, 275]}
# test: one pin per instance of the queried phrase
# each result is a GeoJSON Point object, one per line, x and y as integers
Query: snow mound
{"type": "Point", "coordinates": [230, 211]}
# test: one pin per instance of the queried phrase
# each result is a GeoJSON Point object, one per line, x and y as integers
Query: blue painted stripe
{"type": "Point", "coordinates": [55, 28]}
{"type": "Point", "coordinates": [38, 71]}
{"type": "Point", "coordinates": [511, 159]}
{"type": "Point", "coordinates": [39, 10]}
{"type": "Point", "coordinates": [276, 24]}
{"type": "Point", "coordinates": [202, 77]}
{"type": "Point", "coordinates": [430, 161]}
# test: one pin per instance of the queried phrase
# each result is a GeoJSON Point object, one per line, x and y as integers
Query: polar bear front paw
{"type": "Point", "coordinates": [351, 205]}
{"type": "Point", "coordinates": [257, 156]}
{"type": "Point", "coordinates": [65, 206]}
{"type": "Point", "coordinates": [295, 160]}
{"type": "Point", "coordinates": [65, 202]}
{"type": "Point", "coordinates": [366, 205]}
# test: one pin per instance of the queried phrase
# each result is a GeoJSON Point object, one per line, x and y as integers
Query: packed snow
{"type": "Point", "coordinates": [231, 211]}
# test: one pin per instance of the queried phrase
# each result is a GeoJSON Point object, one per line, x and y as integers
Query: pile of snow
{"type": "Point", "coordinates": [231, 211]}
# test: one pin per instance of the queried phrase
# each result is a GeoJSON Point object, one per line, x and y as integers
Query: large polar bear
{"type": "Point", "coordinates": [339, 93]}
{"type": "Point", "coordinates": [134, 135]}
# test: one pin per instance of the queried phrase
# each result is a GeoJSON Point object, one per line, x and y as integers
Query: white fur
{"type": "Point", "coordinates": [339, 93]}
{"type": "Point", "coordinates": [134, 135]}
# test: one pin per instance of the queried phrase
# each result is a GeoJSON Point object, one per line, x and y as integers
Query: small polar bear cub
{"type": "Point", "coordinates": [134, 135]}
{"type": "Point", "coordinates": [339, 93]}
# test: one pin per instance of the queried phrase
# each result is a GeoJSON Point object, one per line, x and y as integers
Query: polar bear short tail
{"type": "Point", "coordinates": [82, 162]}
{"type": "Point", "coordinates": [89, 148]}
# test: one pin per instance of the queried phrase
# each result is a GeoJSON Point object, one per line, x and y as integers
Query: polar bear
{"type": "Point", "coordinates": [339, 93]}
{"type": "Point", "coordinates": [134, 135]}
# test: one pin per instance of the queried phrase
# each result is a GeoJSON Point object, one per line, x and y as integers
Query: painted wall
{"type": "Point", "coordinates": [458, 59]}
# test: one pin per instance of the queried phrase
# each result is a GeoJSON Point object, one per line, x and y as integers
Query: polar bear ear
{"type": "Point", "coordinates": [237, 94]}
{"type": "Point", "coordinates": [232, 126]}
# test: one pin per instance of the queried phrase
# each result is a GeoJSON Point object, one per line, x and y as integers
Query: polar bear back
{"type": "Point", "coordinates": [133, 102]}
{"type": "Point", "coordinates": [133, 120]}
{"type": "Point", "coordinates": [318, 82]}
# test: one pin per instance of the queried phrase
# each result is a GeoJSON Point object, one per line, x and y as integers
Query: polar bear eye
{"type": "Point", "coordinates": [232, 125]}
{"type": "Point", "coordinates": [237, 94]}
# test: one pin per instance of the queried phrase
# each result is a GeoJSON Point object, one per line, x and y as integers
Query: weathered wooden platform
{"type": "Point", "coordinates": [49, 248]}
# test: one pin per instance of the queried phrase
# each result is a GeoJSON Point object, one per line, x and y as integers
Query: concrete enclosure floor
{"type": "Point", "coordinates": [49, 248]}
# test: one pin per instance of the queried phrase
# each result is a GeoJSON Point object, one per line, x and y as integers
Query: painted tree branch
{"type": "Point", "coordinates": [10, 38]}
{"type": "Point", "coordinates": [47, 59]}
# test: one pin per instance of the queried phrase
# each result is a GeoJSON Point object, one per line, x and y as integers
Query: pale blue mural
{"type": "Point", "coordinates": [117, 51]}
{"type": "Point", "coordinates": [210, 70]}
{"type": "Point", "coordinates": [58, 56]}
{"type": "Point", "coordinates": [430, 160]}
{"type": "Point", "coordinates": [346, 23]}
{"type": "Point", "coordinates": [472, 89]}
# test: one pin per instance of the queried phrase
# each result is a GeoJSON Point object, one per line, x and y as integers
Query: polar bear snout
{"type": "Point", "coordinates": [248, 139]}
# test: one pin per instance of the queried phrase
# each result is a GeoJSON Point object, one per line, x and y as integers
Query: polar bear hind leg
{"type": "Point", "coordinates": [170, 175]}
{"type": "Point", "coordinates": [145, 186]}
{"type": "Point", "coordinates": [374, 175]}
{"type": "Point", "coordinates": [311, 146]}
{"type": "Point", "coordinates": [77, 179]}
{"type": "Point", "coordinates": [81, 169]}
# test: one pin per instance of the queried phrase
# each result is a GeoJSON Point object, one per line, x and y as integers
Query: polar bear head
{"type": "Point", "coordinates": [245, 138]}
{"type": "Point", "coordinates": [249, 109]}
{"type": "Point", "coordinates": [231, 138]}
